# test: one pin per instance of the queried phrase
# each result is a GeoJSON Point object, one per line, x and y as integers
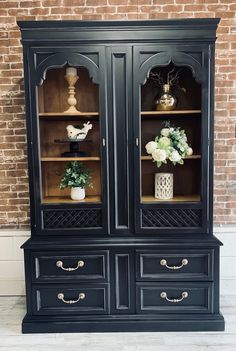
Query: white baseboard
{"type": "Point", "coordinates": [12, 287]}
{"type": "Point", "coordinates": [12, 267]}
{"type": "Point", "coordinates": [11, 262]}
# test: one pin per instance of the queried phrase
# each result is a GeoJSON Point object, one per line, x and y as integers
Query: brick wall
{"type": "Point", "coordinates": [14, 204]}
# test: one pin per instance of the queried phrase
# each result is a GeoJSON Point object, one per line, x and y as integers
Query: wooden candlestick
{"type": "Point", "coordinates": [71, 79]}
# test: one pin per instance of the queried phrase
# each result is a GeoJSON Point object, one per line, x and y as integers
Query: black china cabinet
{"type": "Point", "coordinates": [123, 258]}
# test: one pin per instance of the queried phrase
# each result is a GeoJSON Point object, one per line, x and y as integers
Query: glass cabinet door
{"type": "Point", "coordinates": [69, 138]}
{"type": "Point", "coordinates": [71, 148]}
{"type": "Point", "coordinates": [170, 113]}
{"type": "Point", "coordinates": [170, 186]}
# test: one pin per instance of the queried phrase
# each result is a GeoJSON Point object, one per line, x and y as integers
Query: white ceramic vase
{"type": "Point", "coordinates": [77, 193]}
{"type": "Point", "coordinates": [164, 186]}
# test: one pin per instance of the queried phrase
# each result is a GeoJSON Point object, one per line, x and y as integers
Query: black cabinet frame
{"type": "Point", "coordinates": [119, 56]}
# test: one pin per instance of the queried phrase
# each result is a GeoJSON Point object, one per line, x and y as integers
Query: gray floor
{"type": "Point", "coordinates": [12, 310]}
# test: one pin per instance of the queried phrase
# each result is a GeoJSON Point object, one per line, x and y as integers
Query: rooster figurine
{"type": "Point", "coordinates": [77, 133]}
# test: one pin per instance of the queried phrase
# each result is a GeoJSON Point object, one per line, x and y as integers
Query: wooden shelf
{"type": "Point", "coordinates": [62, 159]}
{"type": "Point", "coordinates": [177, 198]}
{"type": "Point", "coordinates": [192, 157]}
{"type": "Point", "coordinates": [67, 199]}
{"type": "Point", "coordinates": [173, 112]}
{"type": "Point", "coordinates": [65, 114]}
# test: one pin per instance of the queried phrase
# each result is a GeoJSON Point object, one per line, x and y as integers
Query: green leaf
{"type": "Point", "coordinates": [75, 175]}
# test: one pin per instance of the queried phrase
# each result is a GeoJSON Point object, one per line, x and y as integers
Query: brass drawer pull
{"type": "Point", "coordinates": [184, 295]}
{"type": "Point", "coordinates": [70, 269]}
{"type": "Point", "coordinates": [184, 262]}
{"type": "Point", "coordinates": [60, 296]}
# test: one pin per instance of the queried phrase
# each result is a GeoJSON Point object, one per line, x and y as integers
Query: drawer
{"type": "Point", "coordinates": [70, 299]}
{"type": "Point", "coordinates": [66, 266]}
{"type": "Point", "coordinates": [174, 265]}
{"type": "Point", "coordinates": [179, 297]}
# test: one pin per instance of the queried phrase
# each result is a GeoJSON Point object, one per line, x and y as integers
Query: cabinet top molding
{"type": "Point", "coordinates": [179, 29]}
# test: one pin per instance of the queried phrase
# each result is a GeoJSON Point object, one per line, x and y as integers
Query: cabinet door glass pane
{"type": "Point", "coordinates": [69, 132]}
{"type": "Point", "coordinates": [171, 100]}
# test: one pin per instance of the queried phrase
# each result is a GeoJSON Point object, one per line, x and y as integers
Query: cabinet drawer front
{"type": "Point", "coordinates": [175, 265]}
{"type": "Point", "coordinates": [174, 298]}
{"type": "Point", "coordinates": [82, 266]}
{"type": "Point", "coordinates": [70, 299]}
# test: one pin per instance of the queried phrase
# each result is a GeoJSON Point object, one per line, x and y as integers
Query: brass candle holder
{"type": "Point", "coordinates": [71, 78]}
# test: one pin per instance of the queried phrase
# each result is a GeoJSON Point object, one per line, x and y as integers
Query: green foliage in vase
{"type": "Point", "coordinates": [76, 175]}
{"type": "Point", "coordinates": [171, 145]}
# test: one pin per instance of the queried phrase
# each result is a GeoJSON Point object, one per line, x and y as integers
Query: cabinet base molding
{"type": "Point", "coordinates": [132, 323]}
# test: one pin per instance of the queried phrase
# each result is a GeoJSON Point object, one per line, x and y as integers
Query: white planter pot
{"type": "Point", "coordinates": [164, 186]}
{"type": "Point", "coordinates": [77, 193]}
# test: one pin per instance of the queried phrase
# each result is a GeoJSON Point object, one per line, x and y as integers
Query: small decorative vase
{"type": "Point", "coordinates": [164, 186]}
{"type": "Point", "coordinates": [77, 193]}
{"type": "Point", "coordinates": [166, 102]}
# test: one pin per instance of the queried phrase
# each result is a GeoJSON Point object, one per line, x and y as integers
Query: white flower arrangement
{"type": "Point", "coordinates": [171, 145]}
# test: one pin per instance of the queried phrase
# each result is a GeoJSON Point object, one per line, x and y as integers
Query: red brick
{"type": "Point", "coordinates": [57, 10]}
{"type": "Point", "coordinates": [9, 4]}
{"type": "Point", "coordinates": [3, 12]}
{"type": "Point", "coordinates": [106, 9]}
{"type": "Point", "coordinates": [7, 20]}
{"type": "Point", "coordinates": [84, 10]}
{"type": "Point", "coordinates": [30, 4]}
{"type": "Point", "coordinates": [225, 14]}
{"type": "Point", "coordinates": [73, 3]}
{"type": "Point", "coordinates": [39, 11]}
{"type": "Point", "coordinates": [137, 16]}
{"type": "Point", "coordinates": [218, 7]}
{"type": "Point", "coordinates": [12, 58]}
{"type": "Point", "coordinates": [148, 9]}
{"type": "Point", "coordinates": [172, 8]}
{"type": "Point", "coordinates": [18, 12]}
{"type": "Point", "coordinates": [52, 3]}
{"type": "Point", "coordinates": [92, 17]}
{"type": "Point", "coordinates": [115, 16]}
{"type": "Point", "coordinates": [117, 2]}
{"type": "Point", "coordinates": [96, 2]}
{"type": "Point", "coordinates": [163, 2]}
{"type": "Point", "coordinates": [158, 15]}
{"type": "Point", "coordinates": [127, 9]}
{"type": "Point", "coordinates": [140, 2]}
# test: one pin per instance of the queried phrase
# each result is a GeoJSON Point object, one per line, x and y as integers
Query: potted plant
{"type": "Point", "coordinates": [172, 145]}
{"type": "Point", "coordinates": [76, 177]}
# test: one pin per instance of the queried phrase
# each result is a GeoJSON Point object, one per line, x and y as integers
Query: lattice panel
{"type": "Point", "coordinates": [171, 217]}
{"type": "Point", "coordinates": [62, 219]}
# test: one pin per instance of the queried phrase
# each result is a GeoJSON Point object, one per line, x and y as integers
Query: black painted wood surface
{"type": "Point", "coordinates": [121, 247]}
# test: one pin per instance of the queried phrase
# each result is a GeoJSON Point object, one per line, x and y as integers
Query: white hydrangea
{"type": "Point", "coordinates": [189, 151]}
{"type": "Point", "coordinates": [165, 132]}
{"type": "Point", "coordinates": [164, 141]}
{"type": "Point", "coordinates": [151, 146]}
{"type": "Point", "coordinates": [175, 156]}
{"type": "Point", "coordinates": [159, 155]}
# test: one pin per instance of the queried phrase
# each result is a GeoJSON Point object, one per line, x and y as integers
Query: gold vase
{"type": "Point", "coordinates": [166, 102]}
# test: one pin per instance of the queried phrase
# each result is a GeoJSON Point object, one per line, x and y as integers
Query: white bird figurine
{"type": "Point", "coordinates": [77, 133]}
